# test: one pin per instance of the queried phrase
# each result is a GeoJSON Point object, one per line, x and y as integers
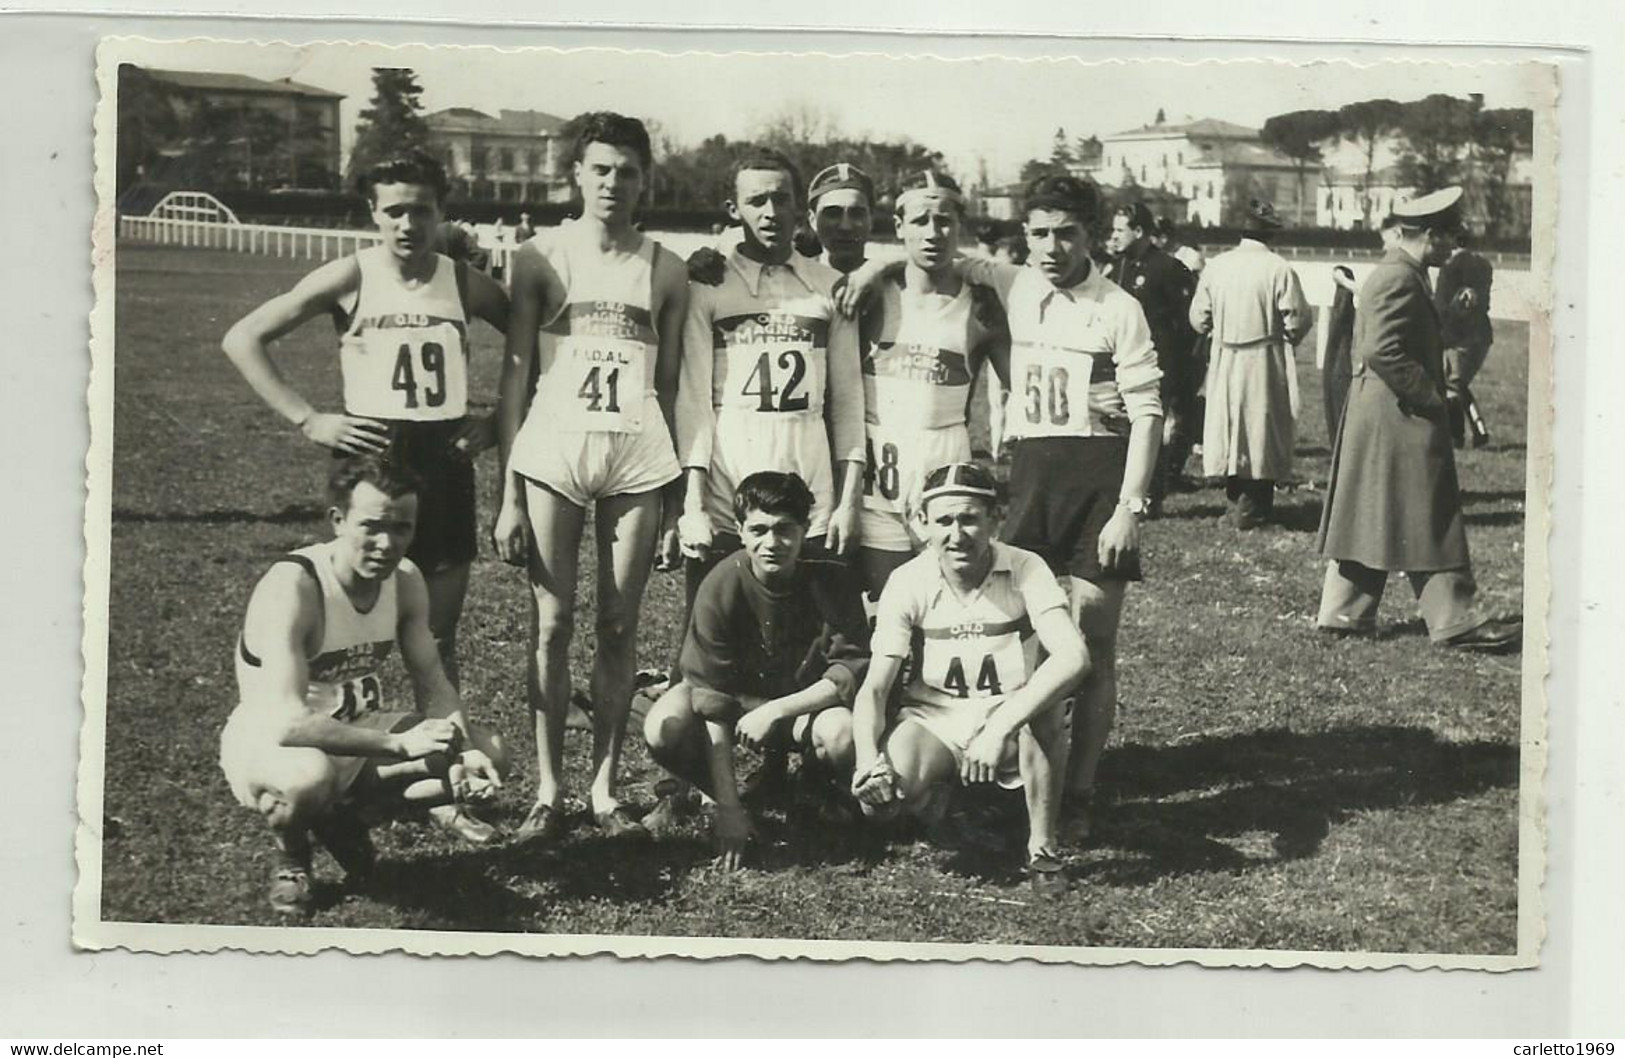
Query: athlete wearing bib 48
{"type": "Point", "coordinates": [993, 653]}
{"type": "Point", "coordinates": [403, 314]}
{"type": "Point", "coordinates": [922, 341]}
{"type": "Point", "coordinates": [314, 741]}
{"type": "Point", "coordinates": [598, 316]}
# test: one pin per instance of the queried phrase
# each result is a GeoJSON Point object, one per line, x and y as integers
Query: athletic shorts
{"type": "Point", "coordinates": [749, 441]}
{"type": "Point", "coordinates": [251, 736]}
{"type": "Point", "coordinates": [899, 460]}
{"type": "Point", "coordinates": [955, 725]}
{"type": "Point", "coordinates": [583, 467]}
{"type": "Point", "coordinates": [1063, 491]}
{"type": "Point", "coordinates": [445, 536]}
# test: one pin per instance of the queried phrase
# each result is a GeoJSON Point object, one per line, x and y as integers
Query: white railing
{"type": "Point", "coordinates": [193, 205]}
{"type": "Point", "coordinates": [1516, 294]}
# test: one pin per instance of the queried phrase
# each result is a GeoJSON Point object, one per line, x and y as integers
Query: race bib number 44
{"type": "Point", "coordinates": [596, 384]}
{"type": "Point", "coordinates": [775, 377]}
{"type": "Point", "coordinates": [971, 665]}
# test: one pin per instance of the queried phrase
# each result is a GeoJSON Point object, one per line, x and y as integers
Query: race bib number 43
{"type": "Point", "coordinates": [596, 385]}
{"type": "Point", "coordinates": [775, 377]}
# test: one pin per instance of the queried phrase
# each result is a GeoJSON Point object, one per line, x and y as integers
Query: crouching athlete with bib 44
{"type": "Point", "coordinates": [994, 652]}
{"type": "Point", "coordinates": [313, 745]}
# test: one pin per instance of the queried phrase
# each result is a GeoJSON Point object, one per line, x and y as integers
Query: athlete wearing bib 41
{"type": "Point", "coordinates": [403, 312]}
{"type": "Point", "coordinates": [598, 311]}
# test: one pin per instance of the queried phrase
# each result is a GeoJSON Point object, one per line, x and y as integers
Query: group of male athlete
{"type": "Point", "coordinates": [788, 429]}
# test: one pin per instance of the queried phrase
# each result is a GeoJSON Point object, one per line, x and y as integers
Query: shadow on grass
{"type": "Point", "coordinates": [1248, 800]}
{"type": "Point", "coordinates": [292, 514]}
{"type": "Point", "coordinates": [1471, 496]}
{"type": "Point", "coordinates": [1495, 518]}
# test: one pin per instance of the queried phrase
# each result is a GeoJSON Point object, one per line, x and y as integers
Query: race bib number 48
{"type": "Point", "coordinates": [775, 377]}
{"type": "Point", "coordinates": [596, 385]}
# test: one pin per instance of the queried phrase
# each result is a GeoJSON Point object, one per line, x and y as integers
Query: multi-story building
{"type": "Point", "coordinates": [516, 156]}
{"type": "Point", "coordinates": [230, 130]}
{"type": "Point", "coordinates": [1215, 166]}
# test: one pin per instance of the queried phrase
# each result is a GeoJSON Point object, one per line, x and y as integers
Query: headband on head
{"type": "Point", "coordinates": [960, 479]}
{"type": "Point", "coordinates": [934, 191]}
{"type": "Point", "coordinates": [842, 176]}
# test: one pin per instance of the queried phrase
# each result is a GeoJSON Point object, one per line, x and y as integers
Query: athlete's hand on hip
{"type": "Point", "coordinates": [733, 832]}
{"type": "Point", "coordinates": [511, 533]}
{"type": "Point", "coordinates": [346, 433]}
{"type": "Point", "coordinates": [434, 735]}
{"type": "Point", "coordinates": [983, 754]}
{"type": "Point", "coordinates": [694, 532]}
{"type": "Point", "coordinates": [477, 434]}
{"type": "Point", "coordinates": [1119, 539]}
{"type": "Point", "coordinates": [842, 535]}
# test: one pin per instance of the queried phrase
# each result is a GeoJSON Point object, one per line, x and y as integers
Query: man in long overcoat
{"type": "Point", "coordinates": [1251, 302]}
{"type": "Point", "coordinates": [1394, 504]}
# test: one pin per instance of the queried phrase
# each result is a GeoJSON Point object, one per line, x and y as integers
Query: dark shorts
{"type": "Point", "coordinates": [446, 535]}
{"type": "Point", "coordinates": [1063, 491]}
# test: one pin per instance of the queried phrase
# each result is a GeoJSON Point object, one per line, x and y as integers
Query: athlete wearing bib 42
{"type": "Point", "coordinates": [598, 310]}
{"type": "Point", "coordinates": [403, 312]}
{"type": "Point", "coordinates": [770, 378]}
{"type": "Point", "coordinates": [313, 741]}
{"type": "Point", "coordinates": [922, 341]}
{"type": "Point", "coordinates": [994, 651]}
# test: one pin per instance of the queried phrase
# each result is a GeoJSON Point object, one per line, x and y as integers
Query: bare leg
{"type": "Point", "coordinates": [1044, 750]}
{"type": "Point", "coordinates": [556, 526]}
{"type": "Point", "coordinates": [1098, 609]}
{"type": "Point", "coordinates": [677, 739]}
{"type": "Point", "coordinates": [447, 589]}
{"type": "Point", "coordinates": [627, 528]}
{"type": "Point", "coordinates": [926, 773]}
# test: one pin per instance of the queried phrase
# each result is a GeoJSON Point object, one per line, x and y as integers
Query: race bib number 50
{"type": "Point", "coordinates": [1052, 390]}
{"type": "Point", "coordinates": [596, 384]}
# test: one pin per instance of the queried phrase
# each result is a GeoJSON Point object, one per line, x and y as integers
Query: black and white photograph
{"type": "Point", "coordinates": [1076, 511]}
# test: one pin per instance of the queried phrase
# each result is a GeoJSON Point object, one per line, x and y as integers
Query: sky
{"type": "Point", "coordinates": [1000, 110]}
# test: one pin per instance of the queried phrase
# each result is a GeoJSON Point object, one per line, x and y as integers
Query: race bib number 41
{"type": "Point", "coordinates": [775, 377]}
{"type": "Point", "coordinates": [596, 384]}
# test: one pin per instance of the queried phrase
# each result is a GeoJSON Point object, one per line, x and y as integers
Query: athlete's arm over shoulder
{"type": "Point", "coordinates": [998, 276]}
{"type": "Point", "coordinates": [319, 293]}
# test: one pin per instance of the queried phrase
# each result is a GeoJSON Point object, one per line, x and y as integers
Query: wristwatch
{"type": "Point", "coordinates": [1138, 506]}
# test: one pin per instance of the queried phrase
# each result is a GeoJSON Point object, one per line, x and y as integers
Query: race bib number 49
{"type": "Point", "coordinates": [417, 373]}
{"type": "Point", "coordinates": [596, 385]}
{"type": "Point", "coordinates": [775, 377]}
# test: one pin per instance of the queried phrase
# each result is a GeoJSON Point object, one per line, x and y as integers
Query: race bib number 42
{"type": "Point", "coordinates": [365, 694]}
{"type": "Point", "coordinates": [597, 384]}
{"type": "Point", "coordinates": [775, 377]}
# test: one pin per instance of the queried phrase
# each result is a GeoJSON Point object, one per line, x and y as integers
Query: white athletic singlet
{"type": "Point", "coordinates": [404, 355]}
{"type": "Point", "coordinates": [344, 682]}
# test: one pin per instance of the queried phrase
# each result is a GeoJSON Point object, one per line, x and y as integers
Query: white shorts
{"type": "Point", "coordinates": [750, 441]}
{"type": "Point", "coordinates": [583, 467]}
{"type": "Point", "coordinates": [955, 725]}
{"type": "Point", "coordinates": [251, 741]}
{"type": "Point", "coordinates": [899, 460]}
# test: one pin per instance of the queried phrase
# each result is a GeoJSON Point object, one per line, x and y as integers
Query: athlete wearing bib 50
{"type": "Point", "coordinates": [994, 653]}
{"type": "Point", "coordinates": [598, 311]}
{"type": "Point", "coordinates": [922, 341]}
{"type": "Point", "coordinates": [314, 742]}
{"type": "Point", "coordinates": [403, 312]}
{"type": "Point", "coordinates": [770, 378]}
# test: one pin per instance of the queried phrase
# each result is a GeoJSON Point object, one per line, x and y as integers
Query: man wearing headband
{"type": "Point", "coordinates": [994, 653]}
{"type": "Point", "coordinates": [1394, 503]}
{"type": "Point", "coordinates": [770, 378]}
{"type": "Point", "coordinates": [1251, 303]}
{"type": "Point", "coordinates": [922, 340]}
{"type": "Point", "coordinates": [1086, 426]}
{"type": "Point", "coordinates": [840, 203]}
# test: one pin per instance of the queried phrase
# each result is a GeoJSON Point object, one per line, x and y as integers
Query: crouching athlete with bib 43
{"type": "Point", "coordinates": [313, 745]}
{"type": "Point", "coordinates": [995, 653]}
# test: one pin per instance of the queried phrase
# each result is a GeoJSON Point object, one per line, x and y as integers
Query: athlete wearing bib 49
{"type": "Point", "coordinates": [598, 313]}
{"type": "Point", "coordinates": [314, 740]}
{"type": "Point", "coordinates": [403, 312]}
{"type": "Point", "coordinates": [922, 340]}
{"type": "Point", "coordinates": [770, 375]}
{"type": "Point", "coordinates": [994, 652]}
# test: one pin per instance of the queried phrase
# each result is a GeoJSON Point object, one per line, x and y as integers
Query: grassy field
{"type": "Point", "coordinates": [1270, 788]}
